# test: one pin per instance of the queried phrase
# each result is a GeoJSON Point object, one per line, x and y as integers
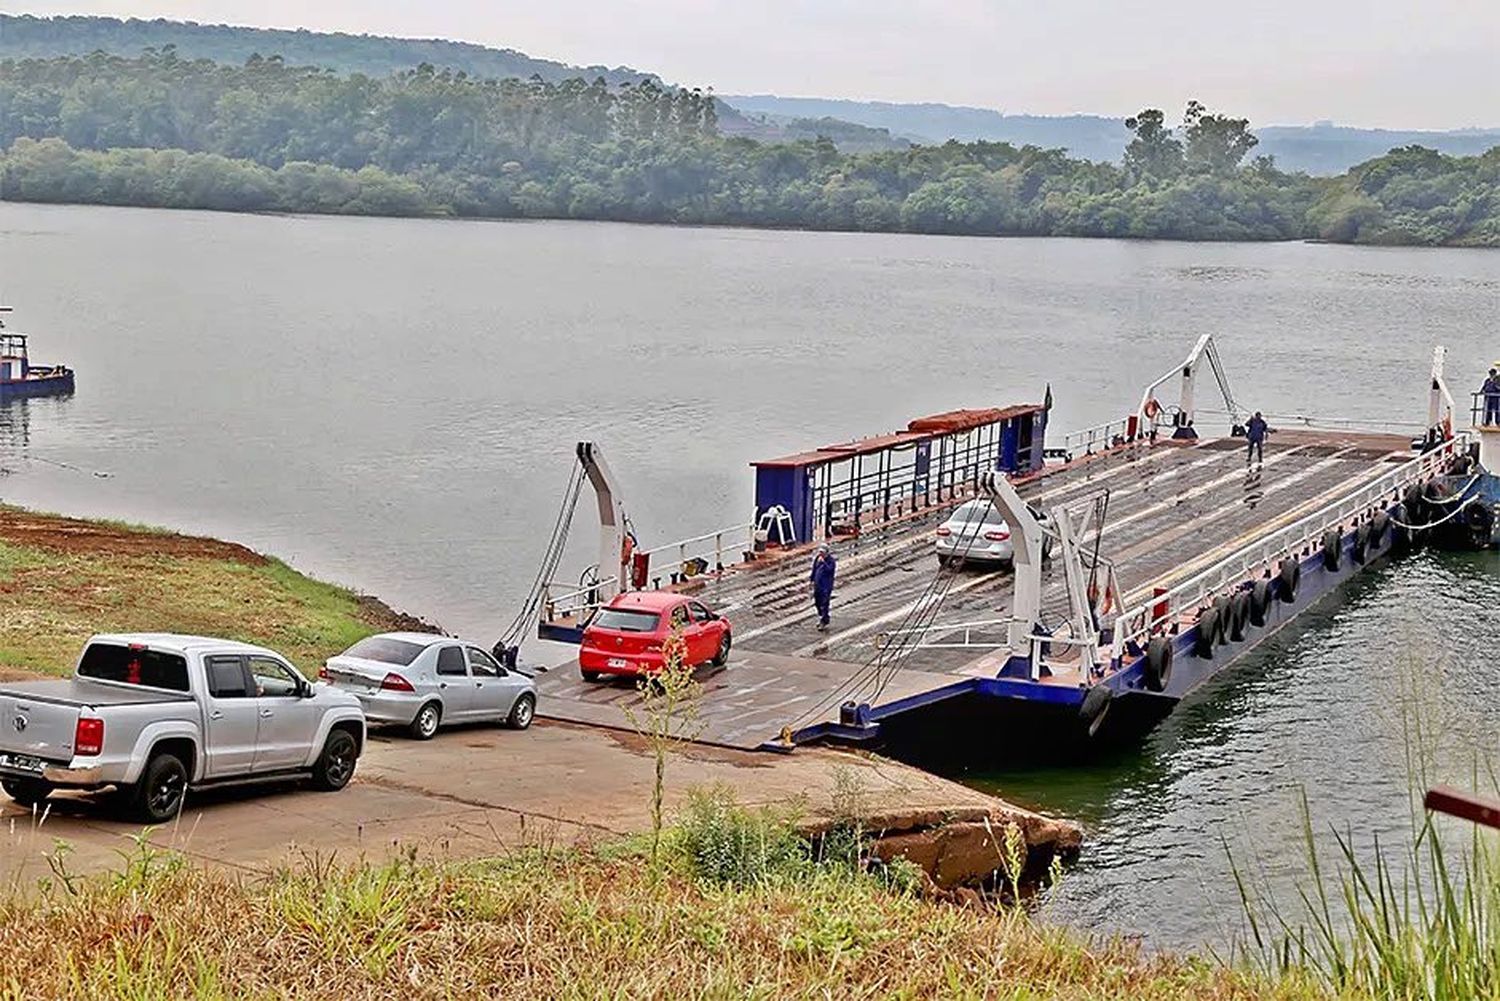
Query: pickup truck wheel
{"type": "Point", "coordinates": [335, 766]}
{"type": "Point", "coordinates": [157, 797]}
{"type": "Point", "coordinates": [27, 792]}
{"type": "Point", "coordinates": [425, 725]}
{"type": "Point", "coordinates": [522, 713]}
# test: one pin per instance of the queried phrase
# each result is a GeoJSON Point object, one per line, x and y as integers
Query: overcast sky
{"type": "Point", "coordinates": [1434, 64]}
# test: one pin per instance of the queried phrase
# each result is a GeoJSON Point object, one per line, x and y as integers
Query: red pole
{"type": "Point", "coordinates": [1444, 799]}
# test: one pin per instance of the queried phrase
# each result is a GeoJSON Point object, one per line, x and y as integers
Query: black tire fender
{"type": "Point", "coordinates": [1333, 549]}
{"type": "Point", "coordinates": [1379, 525]}
{"type": "Point", "coordinates": [1361, 542]}
{"type": "Point", "coordinates": [1239, 616]}
{"type": "Point", "coordinates": [1260, 602]}
{"type": "Point", "coordinates": [1225, 619]}
{"type": "Point", "coordinates": [1159, 663]}
{"type": "Point", "coordinates": [1412, 500]}
{"type": "Point", "coordinates": [1289, 577]}
{"type": "Point", "coordinates": [1095, 707]}
{"type": "Point", "coordinates": [1208, 628]}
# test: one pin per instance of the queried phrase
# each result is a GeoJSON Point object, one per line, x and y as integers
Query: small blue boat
{"type": "Point", "coordinates": [19, 377]}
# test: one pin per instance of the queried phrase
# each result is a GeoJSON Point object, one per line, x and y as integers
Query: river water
{"type": "Point", "coordinates": [392, 404]}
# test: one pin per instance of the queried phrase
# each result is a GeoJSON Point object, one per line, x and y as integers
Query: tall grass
{"type": "Point", "coordinates": [567, 924]}
{"type": "Point", "coordinates": [1415, 922]}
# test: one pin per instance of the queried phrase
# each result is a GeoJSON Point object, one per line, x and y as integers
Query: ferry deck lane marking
{"type": "Point", "coordinates": [919, 541]}
{"type": "Point", "coordinates": [1306, 507]}
{"type": "Point", "coordinates": [1157, 540]}
{"type": "Point", "coordinates": [901, 611]}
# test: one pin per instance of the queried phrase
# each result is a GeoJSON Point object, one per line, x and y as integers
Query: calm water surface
{"type": "Point", "coordinates": [392, 404]}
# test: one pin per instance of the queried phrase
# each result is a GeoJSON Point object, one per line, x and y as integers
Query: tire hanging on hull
{"type": "Point", "coordinates": [1159, 662]}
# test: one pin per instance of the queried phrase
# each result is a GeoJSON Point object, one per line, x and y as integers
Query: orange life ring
{"type": "Point", "coordinates": [1152, 408]}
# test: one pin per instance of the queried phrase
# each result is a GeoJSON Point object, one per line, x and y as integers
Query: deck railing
{"type": "Point", "coordinates": [579, 600]}
{"type": "Point", "coordinates": [710, 552]}
{"type": "Point", "coordinates": [1154, 614]}
{"type": "Point", "coordinates": [1102, 436]}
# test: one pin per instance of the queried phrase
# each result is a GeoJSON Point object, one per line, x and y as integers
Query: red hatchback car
{"type": "Point", "coordinates": [630, 635]}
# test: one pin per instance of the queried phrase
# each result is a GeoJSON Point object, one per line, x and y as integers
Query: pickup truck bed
{"type": "Point", "coordinates": [79, 692]}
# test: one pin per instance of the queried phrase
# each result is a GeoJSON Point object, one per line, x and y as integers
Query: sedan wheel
{"type": "Point", "coordinates": [722, 656]}
{"type": "Point", "coordinates": [522, 713]}
{"type": "Point", "coordinates": [425, 726]}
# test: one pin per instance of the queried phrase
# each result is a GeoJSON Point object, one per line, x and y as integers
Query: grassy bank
{"type": "Point", "coordinates": [62, 579]}
{"type": "Point", "coordinates": [542, 924]}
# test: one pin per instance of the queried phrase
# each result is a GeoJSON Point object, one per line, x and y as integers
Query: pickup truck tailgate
{"type": "Point", "coordinates": [36, 727]}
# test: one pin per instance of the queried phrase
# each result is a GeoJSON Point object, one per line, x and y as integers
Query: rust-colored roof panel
{"type": "Point", "coordinates": [967, 420]}
{"type": "Point", "coordinates": [921, 429]}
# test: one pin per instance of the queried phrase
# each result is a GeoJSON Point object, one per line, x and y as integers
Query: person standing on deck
{"type": "Point", "coordinates": [1255, 437]}
{"type": "Point", "coordinates": [823, 569]}
{"type": "Point", "coordinates": [1491, 391]}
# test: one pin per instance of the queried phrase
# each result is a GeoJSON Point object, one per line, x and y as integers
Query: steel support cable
{"type": "Point", "coordinates": [926, 610]}
{"type": "Point", "coordinates": [556, 545]}
{"type": "Point", "coordinates": [871, 668]}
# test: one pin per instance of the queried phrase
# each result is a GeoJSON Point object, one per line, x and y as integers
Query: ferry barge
{"type": "Point", "coordinates": [1171, 557]}
{"type": "Point", "coordinates": [19, 377]}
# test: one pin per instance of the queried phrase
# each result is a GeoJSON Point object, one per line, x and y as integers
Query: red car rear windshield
{"type": "Point", "coordinates": [625, 620]}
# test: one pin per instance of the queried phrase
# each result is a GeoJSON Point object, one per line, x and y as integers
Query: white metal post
{"type": "Point", "coordinates": [612, 520]}
{"type": "Point", "coordinates": [1026, 534]}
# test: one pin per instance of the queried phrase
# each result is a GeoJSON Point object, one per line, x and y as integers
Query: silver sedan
{"type": "Point", "coordinates": [977, 533]}
{"type": "Point", "coordinates": [421, 681]}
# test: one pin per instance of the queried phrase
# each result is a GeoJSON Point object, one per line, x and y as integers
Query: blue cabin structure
{"type": "Point", "coordinates": [18, 377]}
{"type": "Point", "coordinates": [838, 489]}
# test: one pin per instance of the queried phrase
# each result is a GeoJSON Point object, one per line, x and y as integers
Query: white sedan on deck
{"type": "Point", "coordinates": [422, 681]}
{"type": "Point", "coordinates": [978, 533]}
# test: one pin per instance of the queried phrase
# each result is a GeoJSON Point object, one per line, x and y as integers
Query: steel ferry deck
{"type": "Point", "coordinates": [1172, 556]}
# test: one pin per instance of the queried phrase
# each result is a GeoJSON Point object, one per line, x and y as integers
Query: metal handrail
{"type": "Point", "coordinates": [1152, 614]}
{"type": "Point", "coordinates": [684, 548]}
{"type": "Point", "coordinates": [1100, 436]}
{"type": "Point", "coordinates": [578, 597]}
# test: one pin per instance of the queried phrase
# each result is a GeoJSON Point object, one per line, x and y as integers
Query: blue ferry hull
{"type": "Point", "coordinates": [54, 385]}
{"type": "Point", "coordinates": [989, 721]}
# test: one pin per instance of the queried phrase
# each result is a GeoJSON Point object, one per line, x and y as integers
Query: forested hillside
{"type": "Point", "coordinates": [23, 36]}
{"type": "Point", "coordinates": [165, 131]}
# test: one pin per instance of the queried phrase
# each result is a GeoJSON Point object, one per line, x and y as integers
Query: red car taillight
{"type": "Point", "coordinates": [997, 536]}
{"type": "Point", "coordinates": [395, 683]}
{"type": "Point", "coordinates": [945, 531]}
{"type": "Point", "coordinates": [323, 674]}
{"type": "Point", "coordinates": [88, 736]}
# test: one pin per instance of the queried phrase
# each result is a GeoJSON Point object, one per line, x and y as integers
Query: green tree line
{"type": "Point", "coordinates": [264, 136]}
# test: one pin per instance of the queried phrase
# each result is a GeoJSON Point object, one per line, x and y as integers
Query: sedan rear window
{"type": "Point", "coordinates": [625, 621]}
{"type": "Point", "coordinates": [134, 666]}
{"type": "Point", "coordinates": [983, 512]}
{"type": "Point", "coordinates": [386, 650]}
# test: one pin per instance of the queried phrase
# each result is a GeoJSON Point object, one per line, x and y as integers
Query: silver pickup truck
{"type": "Point", "coordinates": [153, 714]}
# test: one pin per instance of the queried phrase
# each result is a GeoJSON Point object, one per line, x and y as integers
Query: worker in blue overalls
{"type": "Point", "coordinates": [823, 569]}
{"type": "Point", "coordinates": [1491, 391]}
{"type": "Point", "coordinates": [1255, 438]}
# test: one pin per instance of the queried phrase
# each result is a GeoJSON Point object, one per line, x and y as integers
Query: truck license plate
{"type": "Point", "coordinates": [21, 762]}
{"type": "Point", "coordinates": [616, 662]}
